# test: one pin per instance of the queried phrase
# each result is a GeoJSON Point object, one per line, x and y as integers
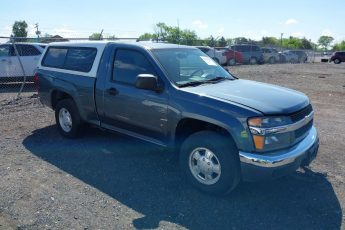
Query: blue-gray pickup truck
{"type": "Point", "coordinates": [224, 129]}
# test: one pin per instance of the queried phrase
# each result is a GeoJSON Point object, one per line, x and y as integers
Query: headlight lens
{"type": "Point", "coordinates": [265, 132]}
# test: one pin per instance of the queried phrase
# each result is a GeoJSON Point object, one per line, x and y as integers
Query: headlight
{"type": "Point", "coordinates": [268, 132]}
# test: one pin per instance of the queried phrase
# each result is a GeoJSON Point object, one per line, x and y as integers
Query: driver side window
{"type": "Point", "coordinates": [128, 64]}
{"type": "Point", "coordinates": [4, 51]}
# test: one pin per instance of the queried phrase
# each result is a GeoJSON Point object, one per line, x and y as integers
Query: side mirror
{"type": "Point", "coordinates": [148, 82]}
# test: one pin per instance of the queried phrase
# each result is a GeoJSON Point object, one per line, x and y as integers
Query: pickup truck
{"type": "Point", "coordinates": [224, 129]}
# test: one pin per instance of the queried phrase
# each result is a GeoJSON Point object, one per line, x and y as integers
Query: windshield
{"type": "Point", "coordinates": [186, 66]}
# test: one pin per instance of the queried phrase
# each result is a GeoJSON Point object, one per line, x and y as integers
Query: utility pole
{"type": "Point", "coordinates": [281, 42]}
{"type": "Point", "coordinates": [100, 35]}
{"type": "Point", "coordinates": [38, 33]}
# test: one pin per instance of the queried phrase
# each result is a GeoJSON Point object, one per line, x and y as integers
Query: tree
{"type": "Point", "coordinates": [325, 41]}
{"type": "Point", "coordinates": [147, 37]}
{"type": "Point", "coordinates": [161, 30]}
{"type": "Point", "coordinates": [240, 40]}
{"type": "Point", "coordinates": [306, 44]}
{"type": "Point", "coordinates": [222, 42]}
{"type": "Point", "coordinates": [230, 41]}
{"type": "Point", "coordinates": [188, 37]}
{"type": "Point", "coordinates": [96, 36]}
{"type": "Point", "coordinates": [270, 41]}
{"type": "Point", "coordinates": [20, 29]}
{"type": "Point", "coordinates": [211, 42]}
{"type": "Point", "coordinates": [339, 46]}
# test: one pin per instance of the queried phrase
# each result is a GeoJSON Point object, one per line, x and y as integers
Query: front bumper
{"type": "Point", "coordinates": [282, 162]}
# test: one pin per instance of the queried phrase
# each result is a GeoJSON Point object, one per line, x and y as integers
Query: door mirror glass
{"type": "Point", "coordinates": [147, 81]}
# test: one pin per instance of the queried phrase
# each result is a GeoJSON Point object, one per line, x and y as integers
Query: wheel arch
{"type": "Point", "coordinates": [189, 125]}
{"type": "Point", "coordinates": [58, 95]}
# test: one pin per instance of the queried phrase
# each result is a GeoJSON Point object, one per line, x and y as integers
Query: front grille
{"type": "Point", "coordinates": [301, 132]}
{"type": "Point", "coordinates": [299, 115]}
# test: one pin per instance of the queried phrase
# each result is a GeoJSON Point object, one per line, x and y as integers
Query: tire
{"type": "Point", "coordinates": [222, 165]}
{"type": "Point", "coordinates": [293, 61]}
{"type": "Point", "coordinates": [253, 61]}
{"type": "Point", "coordinates": [272, 60]}
{"type": "Point", "coordinates": [231, 62]}
{"type": "Point", "coordinates": [337, 61]}
{"type": "Point", "coordinates": [67, 118]}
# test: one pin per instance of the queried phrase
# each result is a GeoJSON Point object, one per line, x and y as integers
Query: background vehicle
{"type": "Point", "coordinates": [232, 57]}
{"type": "Point", "coordinates": [178, 97]}
{"type": "Point", "coordinates": [338, 57]}
{"type": "Point", "coordinates": [10, 68]}
{"type": "Point", "coordinates": [216, 55]}
{"type": "Point", "coordinates": [270, 55]}
{"type": "Point", "coordinates": [252, 54]}
{"type": "Point", "coordinates": [288, 56]}
{"type": "Point", "coordinates": [302, 55]}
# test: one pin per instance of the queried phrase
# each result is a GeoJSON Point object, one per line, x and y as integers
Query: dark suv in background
{"type": "Point", "coordinates": [338, 57]}
{"type": "Point", "coordinates": [302, 55]}
{"type": "Point", "coordinates": [252, 54]}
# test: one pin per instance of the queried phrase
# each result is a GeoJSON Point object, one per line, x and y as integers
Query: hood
{"type": "Point", "coordinates": [266, 98]}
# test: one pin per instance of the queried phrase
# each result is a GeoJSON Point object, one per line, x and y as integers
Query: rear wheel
{"type": "Point", "coordinates": [337, 61]}
{"type": "Point", "coordinates": [253, 61]}
{"type": "Point", "coordinates": [232, 61]}
{"type": "Point", "coordinates": [210, 161]}
{"type": "Point", "coordinates": [67, 118]}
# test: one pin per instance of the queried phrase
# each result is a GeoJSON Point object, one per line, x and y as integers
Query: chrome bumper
{"type": "Point", "coordinates": [283, 157]}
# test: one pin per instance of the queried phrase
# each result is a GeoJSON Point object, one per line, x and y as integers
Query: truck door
{"type": "Point", "coordinates": [29, 55]}
{"type": "Point", "coordinates": [137, 112]}
{"type": "Point", "coordinates": [9, 64]}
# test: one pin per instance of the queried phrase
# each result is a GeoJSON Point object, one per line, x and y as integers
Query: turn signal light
{"type": "Point", "coordinates": [259, 142]}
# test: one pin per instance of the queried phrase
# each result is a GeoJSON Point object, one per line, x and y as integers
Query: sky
{"type": "Point", "coordinates": [131, 18]}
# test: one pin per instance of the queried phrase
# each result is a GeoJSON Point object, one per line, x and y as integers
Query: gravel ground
{"type": "Point", "coordinates": [107, 181]}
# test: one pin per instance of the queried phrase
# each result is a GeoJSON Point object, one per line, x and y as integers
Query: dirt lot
{"type": "Point", "coordinates": [108, 181]}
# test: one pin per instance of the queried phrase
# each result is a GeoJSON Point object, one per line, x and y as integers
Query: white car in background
{"type": "Point", "coordinates": [289, 57]}
{"type": "Point", "coordinates": [217, 55]}
{"type": "Point", "coordinates": [29, 54]}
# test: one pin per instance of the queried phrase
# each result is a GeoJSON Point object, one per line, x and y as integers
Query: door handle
{"type": "Point", "coordinates": [112, 91]}
{"type": "Point", "coordinates": [3, 60]}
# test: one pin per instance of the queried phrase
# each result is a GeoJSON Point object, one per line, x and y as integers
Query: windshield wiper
{"type": "Point", "coordinates": [208, 81]}
{"type": "Point", "coordinates": [217, 79]}
{"type": "Point", "coordinates": [192, 83]}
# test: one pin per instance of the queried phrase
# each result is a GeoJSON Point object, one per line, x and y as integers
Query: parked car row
{"type": "Point", "coordinates": [253, 54]}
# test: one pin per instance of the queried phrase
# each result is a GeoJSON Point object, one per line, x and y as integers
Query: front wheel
{"type": "Point", "coordinates": [210, 161]}
{"type": "Point", "coordinates": [337, 61]}
{"type": "Point", "coordinates": [67, 118]}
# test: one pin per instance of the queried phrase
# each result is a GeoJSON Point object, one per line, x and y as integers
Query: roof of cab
{"type": "Point", "coordinates": [102, 44]}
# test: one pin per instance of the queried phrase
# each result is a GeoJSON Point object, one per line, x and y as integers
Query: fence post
{"type": "Point", "coordinates": [21, 66]}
